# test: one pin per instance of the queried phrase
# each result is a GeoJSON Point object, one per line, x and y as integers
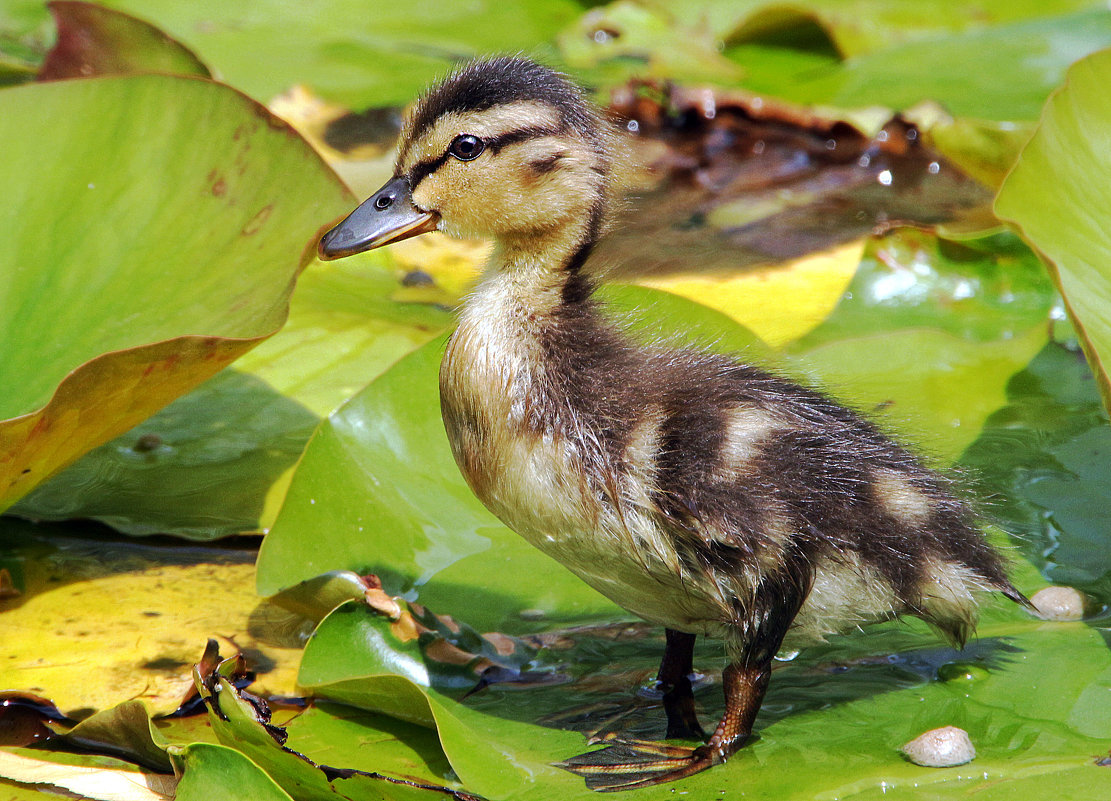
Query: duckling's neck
{"type": "Point", "coordinates": [543, 270]}
{"type": "Point", "coordinates": [518, 331]}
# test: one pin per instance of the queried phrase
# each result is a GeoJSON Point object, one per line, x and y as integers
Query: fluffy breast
{"type": "Point", "coordinates": [535, 465]}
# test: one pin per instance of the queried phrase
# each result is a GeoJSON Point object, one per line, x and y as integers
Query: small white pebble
{"type": "Point", "coordinates": [940, 748]}
{"type": "Point", "coordinates": [1059, 603]}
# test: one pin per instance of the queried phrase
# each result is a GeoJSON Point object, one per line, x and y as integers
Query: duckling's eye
{"type": "Point", "coordinates": [466, 147]}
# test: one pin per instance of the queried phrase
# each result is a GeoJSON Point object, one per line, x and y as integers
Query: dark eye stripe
{"type": "Point", "coordinates": [496, 143]}
{"type": "Point", "coordinates": [422, 169]}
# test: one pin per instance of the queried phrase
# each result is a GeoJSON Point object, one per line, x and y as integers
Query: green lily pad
{"type": "Point", "coordinates": [1058, 198]}
{"type": "Point", "coordinates": [611, 44]}
{"type": "Point", "coordinates": [934, 389]}
{"type": "Point", "coordinates": [93, 40]}
{"type": "Point", "coordinates": [1035, 707]}
{"type": "Point", "coordinates": [930, 332]}
{"type": "Point", "coordinates": [215, 771]}
{"type": "Point", "coordinates": [863, 26]}
{"type": "Point", "coordinates": [1045, 461]}
{"type": "Point", "coordinates": [233, 439]}
{"type": "Point", "coordinates": [145, 260]}
{"type": "Point", "coordinates": [226, 442]}
{"type": "Point", "coordinates": [337, 734]}
{"type": "Point", "coordinates": [345, 329]}
{"type": "Point", "coordinates": [245, 726]}
{"type": "Point", "coordinates": [341, 49]}
{"type": "Point", "coordinates": [489, 756]}
{"type": "Point", "coordinates": [981, 290]}
{"type": "Point", "coordinates": [1003, 72]}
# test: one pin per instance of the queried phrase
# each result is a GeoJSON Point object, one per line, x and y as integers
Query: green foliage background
{"type": "Point", "coordinates": [156, 226]}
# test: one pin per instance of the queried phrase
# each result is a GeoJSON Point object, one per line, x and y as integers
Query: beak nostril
{"type": "Point", "coordinates": [383, 202]}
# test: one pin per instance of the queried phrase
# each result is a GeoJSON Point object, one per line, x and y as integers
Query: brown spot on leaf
{"type": "Point", "coordinates": [255, 223]}
{"type": "Point", "coordinates": [147, 443]}
{"type": "Point", "coordinates": [7, 586]}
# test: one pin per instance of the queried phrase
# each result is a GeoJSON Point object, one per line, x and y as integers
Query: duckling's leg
{"type": "Point", "coordinates": [758, 632]}
{"type": "Point", "coordinates": [629, 765]}
{"type": "Point", "coordinates": [674, 680]}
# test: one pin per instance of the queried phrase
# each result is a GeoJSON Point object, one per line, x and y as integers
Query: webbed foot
{"type": "Point", "coordinates": [629, 764]}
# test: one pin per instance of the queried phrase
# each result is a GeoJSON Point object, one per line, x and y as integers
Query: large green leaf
{"type": "Point", "coordinates": [1045, 461]}
{"type": "Point", "coordinates": [861, 52]}
{"type": "Point", "coordinates": [244, 726]}
{"type": "Point", "coordinates": [93, 40]}
{"type": "Point", "coordinates": [355, 54]}
{"type": "Point", "coordinates": [232, 439]}
{"type": "Point", "coordinates": [1058, 196]}
{"type": "Point", "coordinates": [215, 771]}
{"type": "Point", "coordinates": [862, 26]}
{"type": "Point", "coordinates": [140, 257]}
{"type": "Point", "coordinates": [1003, 72]}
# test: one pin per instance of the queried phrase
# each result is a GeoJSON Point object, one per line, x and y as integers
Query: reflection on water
{"type": "Point", "coordinates": [1044, 463]}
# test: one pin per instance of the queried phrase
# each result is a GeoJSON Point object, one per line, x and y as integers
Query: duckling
{"type": "Point", "coordinates": [700, 493]}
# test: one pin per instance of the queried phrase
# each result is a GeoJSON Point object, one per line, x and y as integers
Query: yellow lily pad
{"type": "Point", "coordinates": [779, 303]}
{"type": "Point", "coordinates": [98, 622]}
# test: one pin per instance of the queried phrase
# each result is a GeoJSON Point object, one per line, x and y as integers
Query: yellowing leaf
{"type": "Point", "coordinates": [99, 784]}
{"type": "Point", "coordinates": [102, 623]}
{"type": "Point", "coordinates": [778, 303]}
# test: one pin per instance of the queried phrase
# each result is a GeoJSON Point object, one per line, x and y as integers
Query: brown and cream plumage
{"type": "Point", "coordinates": [699, 493]}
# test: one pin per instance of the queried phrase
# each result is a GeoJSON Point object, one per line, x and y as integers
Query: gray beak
{"type": "Point", "coordinates": [386, 216]}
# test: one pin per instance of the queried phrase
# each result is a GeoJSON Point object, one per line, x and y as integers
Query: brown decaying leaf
{"type": "Point", "coordinates": [735, 180]}
{"type": "Point", "coordinates": [24, 718]}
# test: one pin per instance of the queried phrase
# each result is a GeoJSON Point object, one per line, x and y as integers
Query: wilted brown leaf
{"type": "Point", "coordinates": [741, 181]}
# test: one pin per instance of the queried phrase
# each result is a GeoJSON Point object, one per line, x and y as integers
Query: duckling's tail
{"type": "Point", "coordinates": [1009, 591]}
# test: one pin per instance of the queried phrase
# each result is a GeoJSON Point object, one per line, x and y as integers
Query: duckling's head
{"type": "Point", "coordinates": [505, 148]}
